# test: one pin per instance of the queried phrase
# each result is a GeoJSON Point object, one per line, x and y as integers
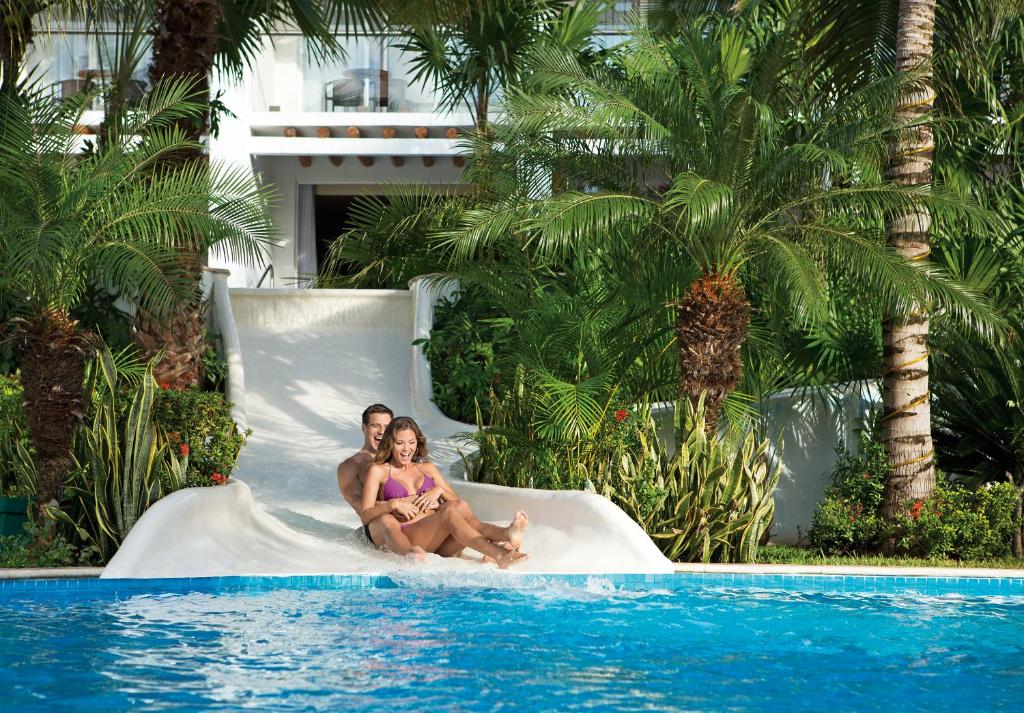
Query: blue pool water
{"type": "Point", "coordinates": [683, 642]}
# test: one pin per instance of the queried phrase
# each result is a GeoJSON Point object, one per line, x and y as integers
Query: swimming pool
{"type": "Point", "coordinates": [506, 642]}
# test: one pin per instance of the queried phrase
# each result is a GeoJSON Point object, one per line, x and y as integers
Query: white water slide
{"type": "Point", "coordinates": [303, 366]}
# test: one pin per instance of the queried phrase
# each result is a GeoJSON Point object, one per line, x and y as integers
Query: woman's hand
{"type": "Point", "coordinates": [429, 500]}
{"type": "Point", "coordinates": [403, 509]}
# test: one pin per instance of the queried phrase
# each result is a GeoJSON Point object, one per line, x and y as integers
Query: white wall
{"type": "Point", "coordinates": [808, 427]}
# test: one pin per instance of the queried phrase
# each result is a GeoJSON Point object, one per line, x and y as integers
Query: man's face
{"type": "Point", "coordinates": [373, 430]}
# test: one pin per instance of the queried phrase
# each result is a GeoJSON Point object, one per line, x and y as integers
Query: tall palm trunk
{"type": "Point", "coordinates": [15, 37]}
{"type": "Point", "coordinates": [906, 421]}
{"type": "Point", "coordinates": [184, 42]}
{"type": "Point", "coordinates": [52, 352]}
{"type": "Point", "coordinates": [711, 326]}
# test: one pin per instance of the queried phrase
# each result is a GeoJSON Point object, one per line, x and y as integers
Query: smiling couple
{"type": "Point", "coordinates": [405, 504]}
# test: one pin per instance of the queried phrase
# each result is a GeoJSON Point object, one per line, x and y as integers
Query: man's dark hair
{"type": "Point", "coordinates": [376, 408]}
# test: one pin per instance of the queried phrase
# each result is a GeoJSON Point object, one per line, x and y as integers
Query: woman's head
{"type": "Point", "coordinates": [403, 443]}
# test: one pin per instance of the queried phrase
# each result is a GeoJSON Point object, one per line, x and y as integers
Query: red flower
{"type": "Point", "coordinates": [621, 415]}
{"type": "Point", "coordinates": [185, 450]}
{"type": "Point", "coordinates": [915, 509]}
{"type": "Point", "coordinates": [218, 478]}
{"type": "Point", "coordinates": [165, 385]}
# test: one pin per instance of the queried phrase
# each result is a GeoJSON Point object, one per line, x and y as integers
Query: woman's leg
{"type": "Point", "coordinates": [386, 532]}
{"type": "Point", "coordinates": [431, 532]}
{"type": "Point", "coordinates": [512, 533]}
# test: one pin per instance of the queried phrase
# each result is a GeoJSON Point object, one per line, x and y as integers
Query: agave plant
{"type": "Point", "coordinates": [118, 458]}
{"type": "Point", "coordinates": [109, 218]}
{"type": "Point", "coordinates": [711, 502]}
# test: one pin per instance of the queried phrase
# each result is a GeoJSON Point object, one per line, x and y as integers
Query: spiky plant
{"type": "Point", "coordinates": [110, 218]}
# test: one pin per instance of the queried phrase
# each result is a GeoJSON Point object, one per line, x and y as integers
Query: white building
{"type": "Point", "coordinates": [319, 133]}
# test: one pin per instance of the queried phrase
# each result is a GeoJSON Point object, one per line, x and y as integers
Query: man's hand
{"type": "Point", "coordinates": [429, 500]}
{"type": "Point", "coordinates": [403, 509]}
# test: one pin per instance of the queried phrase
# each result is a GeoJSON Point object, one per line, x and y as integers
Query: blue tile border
{"type": "Point", "coordinates": [798, 583]}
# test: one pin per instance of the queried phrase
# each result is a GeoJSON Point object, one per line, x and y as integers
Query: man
{"type": "Point", "coordinates": [384, 528]}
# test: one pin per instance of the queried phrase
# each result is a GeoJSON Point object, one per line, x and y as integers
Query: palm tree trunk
{"type": "Point", "coordinates": [906, 419]}
{"type": "Point", "coordinates": [185, 38]}
{"type": "Point", "coordinates": [483, 92]}
{"type": "Point", "coordinates": [52, 352]}
{"type": "Point", "coordinates": [711, 327]}
{"type": "Point", "coordinates": [15, 37]}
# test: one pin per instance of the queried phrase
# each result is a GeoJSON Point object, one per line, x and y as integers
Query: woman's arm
{"type": "Point", "coordinates": [429, 499]}
{"type": "Point", "coordinates": [372, 508]}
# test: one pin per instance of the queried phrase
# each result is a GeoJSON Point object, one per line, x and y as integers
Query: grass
{"type": "Point", "coordinates": [783, 554]}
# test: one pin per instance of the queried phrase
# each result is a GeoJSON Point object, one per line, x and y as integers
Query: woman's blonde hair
{"type": "Point", "coordinates": [387, 441]}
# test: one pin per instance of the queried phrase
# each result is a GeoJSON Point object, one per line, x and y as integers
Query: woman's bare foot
{"type": "Point", "coordinates": [516, 529]}
{"type": "Point", "coordinates": [510, 558]}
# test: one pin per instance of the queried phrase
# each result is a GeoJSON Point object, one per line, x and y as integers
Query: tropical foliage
{"type": "Point", "coordinates": [118, 455]}
{"type": "Point", "coordinates": [109, 218]}
{"type": "Point", "coordinates": [127, 455]}
{"type": "Point", "coordinates": [471, 51]}
{"type": "Point", "coordinates": [17, 471]}
{"type": "Point", "coordinates": [711, 502]}
{"type": "Point", "coordinates": [957, 521]}
{"type": "Point", "coordinates": [717, 193]}
{"type": "Point", "coordinates": [200, 433]}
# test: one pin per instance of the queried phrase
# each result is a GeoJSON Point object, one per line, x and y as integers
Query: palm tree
{"type": "Point", "coordinates": [190, 38]}
{"type": "Point", "coordinates": [114, 218]}
{"type": "Point", "coordinates": [906, 417]}
{"type": "Point", "coordinates": [679, 142]}
{"type": "Point", "coordinates": [469, 50]}
{"type": "Point", "coordinates": [15, 36]}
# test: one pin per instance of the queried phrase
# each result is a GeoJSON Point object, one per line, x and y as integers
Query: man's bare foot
{"type": "Point", "coordinates": [504, 545]}
{"type": "Point", "coordinates": [516, 529]}
{"type": "Point", "coordinates": [418, 554]}
{"type": "Point", "coordinates": [510, 558]}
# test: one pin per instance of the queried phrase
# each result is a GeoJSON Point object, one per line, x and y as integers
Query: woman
{"type": "Point", "coordinates": [402, 476]}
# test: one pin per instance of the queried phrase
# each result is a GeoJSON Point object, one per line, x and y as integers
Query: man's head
{"type": "Point", "coordinates": [375, 420]}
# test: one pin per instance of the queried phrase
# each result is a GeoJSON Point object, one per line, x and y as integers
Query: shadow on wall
{"type": "Point", "coordinates": [809, 426]}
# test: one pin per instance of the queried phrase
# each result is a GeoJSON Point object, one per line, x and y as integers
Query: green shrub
{"type": "Point", "coordinates": [30, 550]}
{"type": "Point", "coordinates": [464, 347]}
{"type": "Point", "coordinates": [960, 522]}
{"type": "Point", "coordinates": [198, 427]}
{"type": "Point", "coordinates": [956, 522]}
{"type": "Point", "coordinates": [17, 469]}
{"type": "Point", "coordinates": [215, 369]}
{"type": "Point", "coordinates": [847, 521]}
{"type": "Point", "coordinates": [712, 502]}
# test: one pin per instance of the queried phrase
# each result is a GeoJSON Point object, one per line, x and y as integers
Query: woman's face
{"type": "Point", "coordinates": [405, 447]}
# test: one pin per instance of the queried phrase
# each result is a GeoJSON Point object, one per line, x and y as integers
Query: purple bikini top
{"type": "Point", "coordinates": [393, 489]}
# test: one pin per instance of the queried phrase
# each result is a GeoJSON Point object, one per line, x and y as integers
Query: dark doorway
{"type": "Point", "coordinates": [332, 217]}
